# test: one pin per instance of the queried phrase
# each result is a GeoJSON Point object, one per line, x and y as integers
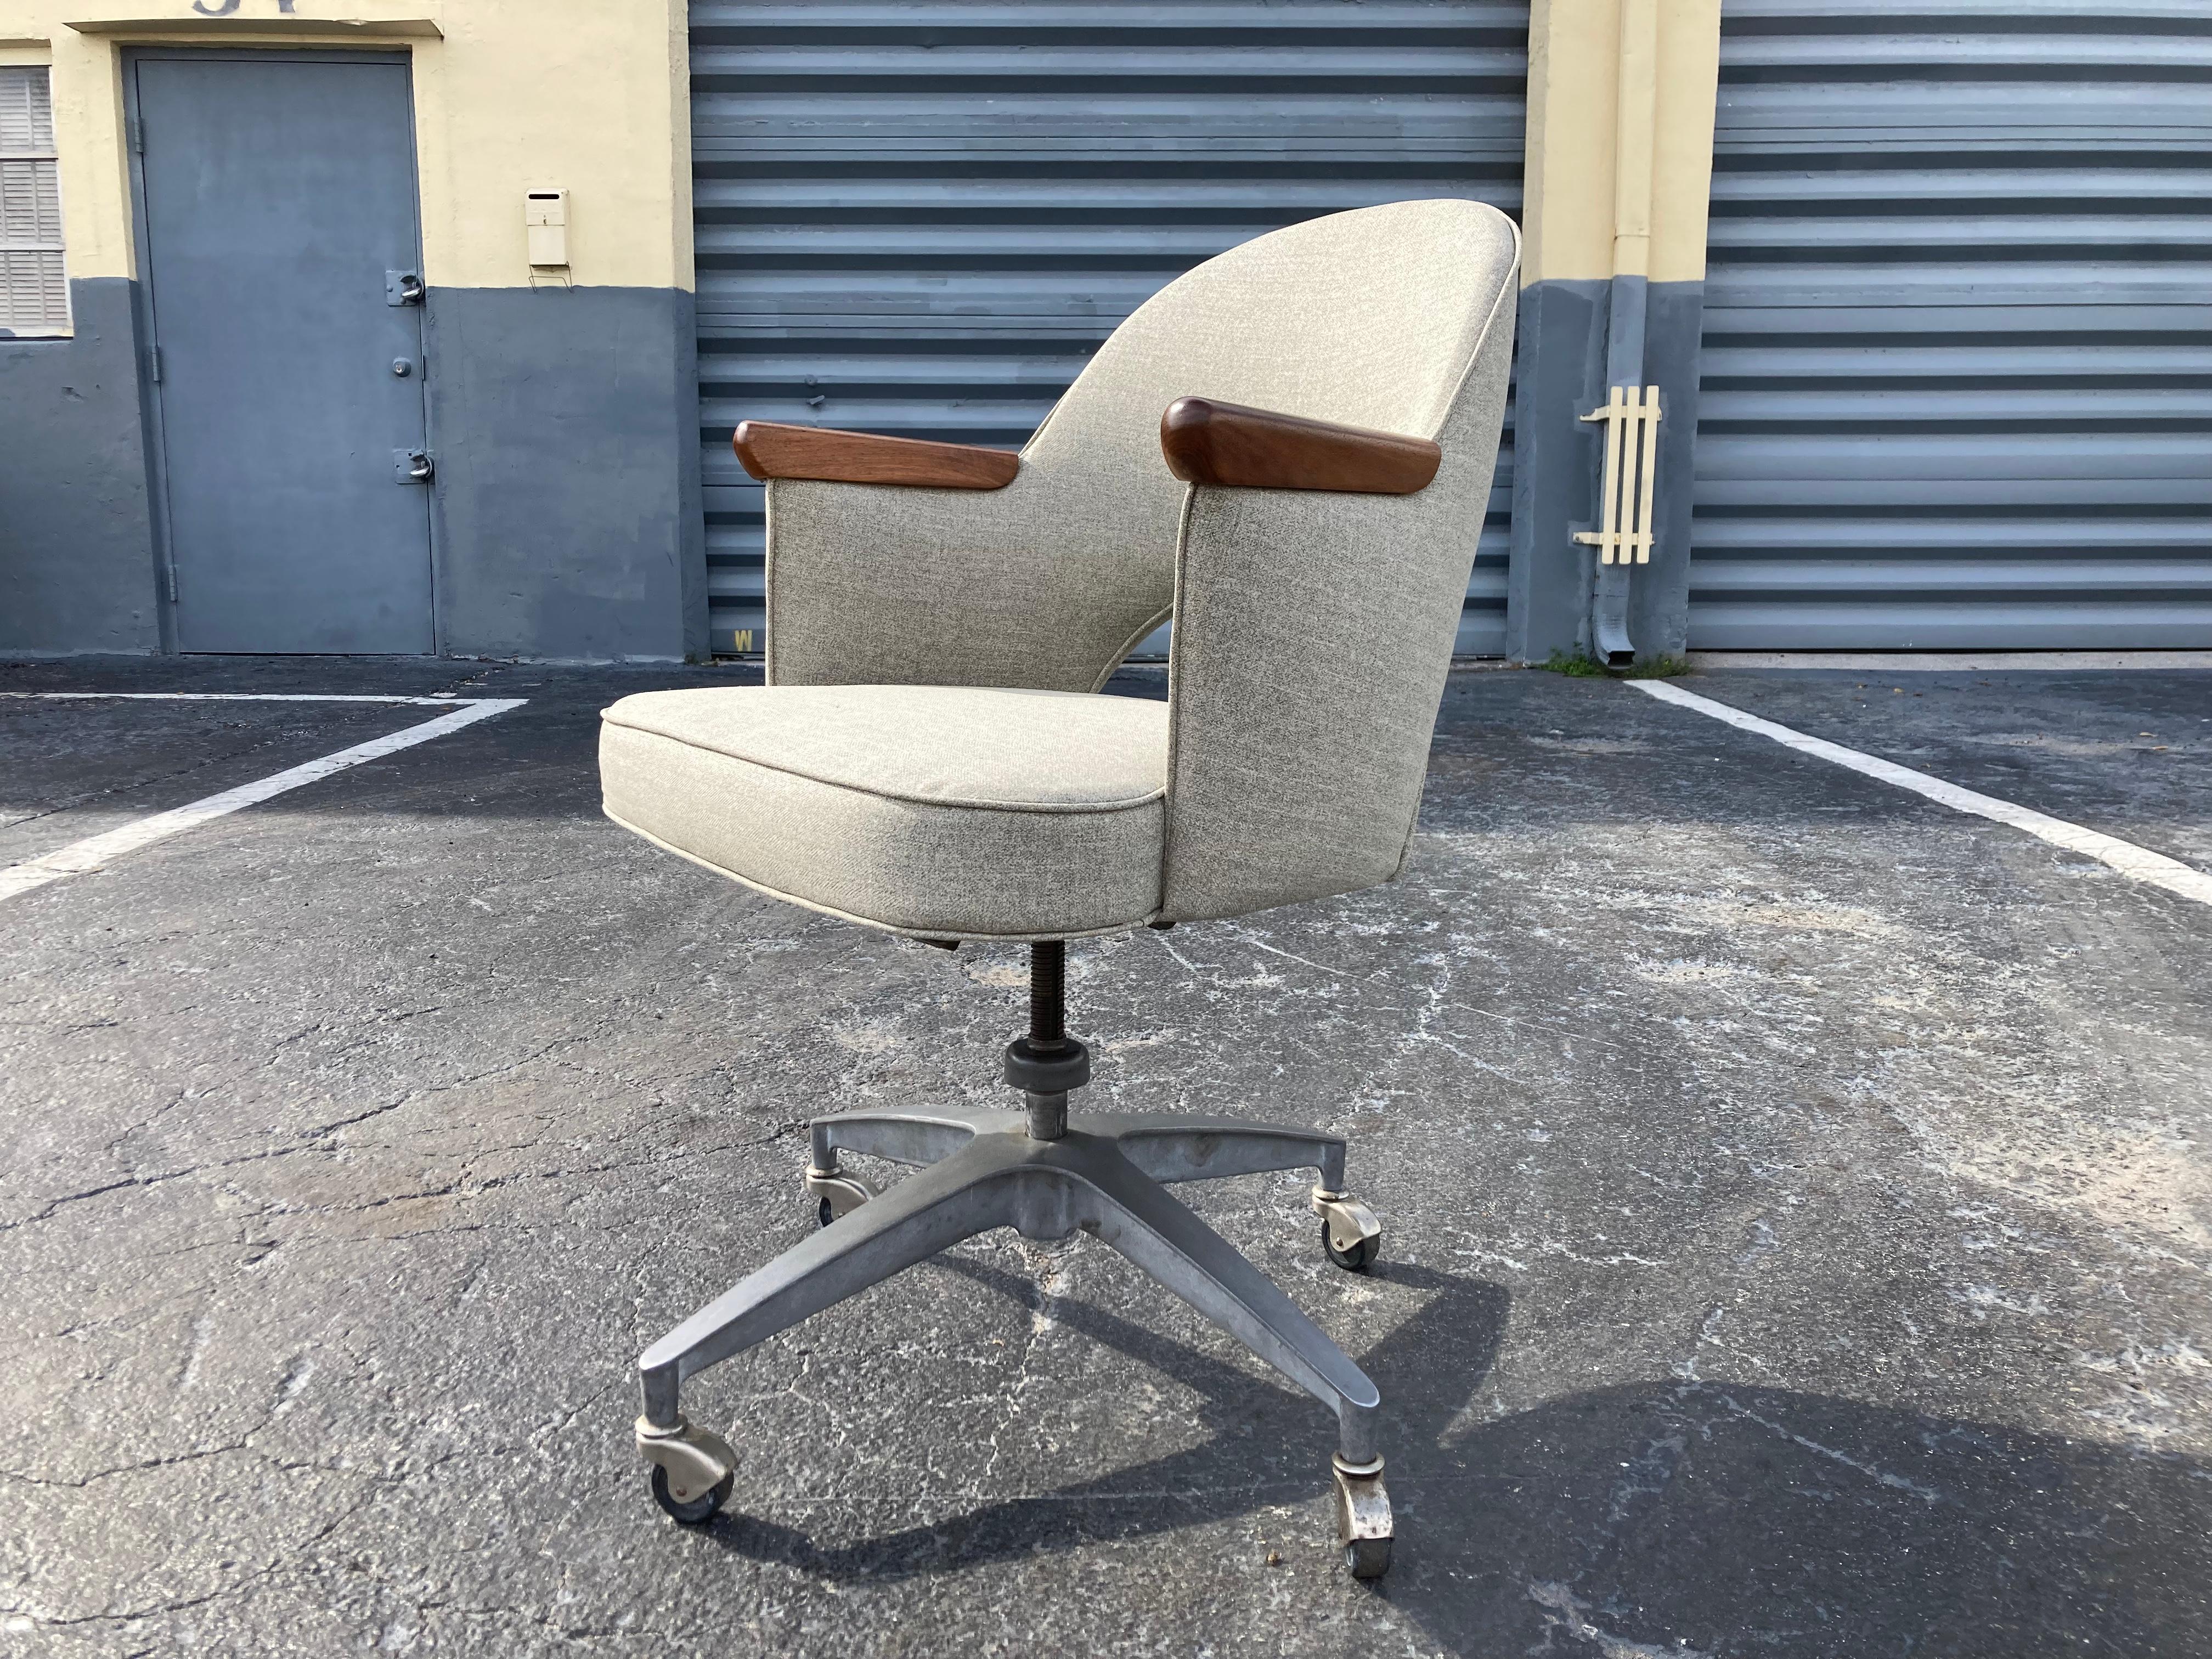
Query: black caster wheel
{"type": "Point", "coordinates": [1370, 1558]}
{"type": "Point", "coordinates": [1357, 1260]}
{"type": "Point", "coordinates": [837, 1193]}
{"type": "Point", "coordinates": [701, 1507]}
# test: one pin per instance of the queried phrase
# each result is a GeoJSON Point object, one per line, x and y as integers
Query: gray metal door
{"type": "Point", "coordinates": [920, 220]}
{"type": "Point", "coordinates": [1957, 386]}
{"type": "Point", "coordinates": [278, 194]}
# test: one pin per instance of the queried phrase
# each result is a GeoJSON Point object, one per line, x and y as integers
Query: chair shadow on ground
{"type": "Point", "coordinates": [1686, 1516]}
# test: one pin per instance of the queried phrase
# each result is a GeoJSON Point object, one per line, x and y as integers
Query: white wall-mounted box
{"type": "Point", "coordinates": [545, 217]}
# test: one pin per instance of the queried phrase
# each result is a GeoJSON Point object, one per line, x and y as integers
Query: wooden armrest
{"type": "Point", "coordinates": [770, 450]}
{"type": "Point", "coordinates": [1211, 443]}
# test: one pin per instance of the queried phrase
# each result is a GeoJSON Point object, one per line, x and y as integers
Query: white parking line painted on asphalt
{"type": "Point", "coordinates": [237, 696]}
{"type": "Point", "coordinates": [2124, 856]}
{"type": "Point", "coordinates": [1954, 662]}
{"type": "Point", "coordinates": [96, 852]}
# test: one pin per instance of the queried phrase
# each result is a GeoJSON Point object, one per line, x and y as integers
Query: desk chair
{"type": "Point", "coordinates": [928, 758]}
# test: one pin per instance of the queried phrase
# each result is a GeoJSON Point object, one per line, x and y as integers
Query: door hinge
{"type": "Point", "coordinates": [134, 129]}
{"type": "Point", "coordinates": [170, 577]}
{"type": "Point", "coordinates": [154, 364]}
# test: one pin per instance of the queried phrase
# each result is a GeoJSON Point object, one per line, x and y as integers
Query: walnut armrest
{"type": "Point", "coordinates": [1213, 443]}
{"type": "Point", "coordinates": [771, 450]}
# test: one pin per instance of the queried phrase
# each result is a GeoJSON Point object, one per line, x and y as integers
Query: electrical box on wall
{"type": "Point", "coordinates": [545, 219]}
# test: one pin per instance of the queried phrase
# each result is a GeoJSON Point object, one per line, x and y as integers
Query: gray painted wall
{"type": "Point", "coordinates": [1556, 461]}
{"type": "Point", "coordinates": [565, 425]}
{"type": "Point", "coordinates": [564, 421]}
{"type": "Point", "coordinates": [1559, 372]}
{"type": "Point", "coordinates": [77, 539]}
{"type": "Point", "coordinates": [1659, 601]}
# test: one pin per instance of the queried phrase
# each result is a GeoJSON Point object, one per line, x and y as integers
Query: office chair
{"type": "Point", "coordinates": [1289, 450]}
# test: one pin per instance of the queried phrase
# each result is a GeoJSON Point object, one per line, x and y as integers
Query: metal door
{"type": "Point", "coordinates": [278, 204]}
{"type": "Point", "coordinates": [921, 219]}
{"type": "Point", "coordinates": [1958, 328]}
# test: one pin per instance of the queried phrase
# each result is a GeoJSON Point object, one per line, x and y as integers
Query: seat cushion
{"type": "Point", "coordinates": [946, 811]}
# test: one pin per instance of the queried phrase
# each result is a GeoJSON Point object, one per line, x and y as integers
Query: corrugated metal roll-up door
{"type": "Point", "coordinates": [1957, 386]}
{"type": "Point", "coordinates": [919, 218]}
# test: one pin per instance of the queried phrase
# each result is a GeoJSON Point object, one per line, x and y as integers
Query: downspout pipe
{"type": "Point", "coordinates": [1634, 128]}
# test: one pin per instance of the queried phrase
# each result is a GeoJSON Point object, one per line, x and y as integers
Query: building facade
{"type": "Point", "coordinates": [200, 425]}
{"type": "Point", "coordinates": [421, 326]}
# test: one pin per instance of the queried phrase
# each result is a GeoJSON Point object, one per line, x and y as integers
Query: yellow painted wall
{"type": "Point", "coordinates": [1576, 99]}
{"type": "Point", "coordinates": [510, 96]}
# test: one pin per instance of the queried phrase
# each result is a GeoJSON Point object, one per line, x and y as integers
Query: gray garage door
{"type": "Point", "coordinates": [1958, 354]}
{"type": "Point", "coordinates": [918, 219]}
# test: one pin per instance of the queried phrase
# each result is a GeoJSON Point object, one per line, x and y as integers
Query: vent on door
{"type": "Point", "coordinates": [1957, 386]}
{"type": "Point", "coordinates": [921, 220]}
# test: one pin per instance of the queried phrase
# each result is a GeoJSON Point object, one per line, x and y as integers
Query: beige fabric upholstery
{"type": "Point", "coordinates": [1367, 318]}
{"type": "Point", "coordinates": [1313, 634]}
{"type": "Point", "coordinates": [1313, 631]}
{"type": "Point", "coordinates": [931, 809]}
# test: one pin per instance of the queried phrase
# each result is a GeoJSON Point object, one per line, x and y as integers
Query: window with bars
{"type": "Point", "coordinates": [33, 291]}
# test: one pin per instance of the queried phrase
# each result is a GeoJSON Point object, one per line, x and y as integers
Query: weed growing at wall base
{"type": "Point", "coordinates": [1582, 665]}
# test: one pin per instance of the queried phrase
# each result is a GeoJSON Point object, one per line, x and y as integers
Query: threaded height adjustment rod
{"type": "Point", "coordinates": [1047, 995]}
{"type": "Point", "coordinates": [1048, 1064]}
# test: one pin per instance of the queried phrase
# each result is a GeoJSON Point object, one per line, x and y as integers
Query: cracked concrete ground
{"type": "Point", "coordinates": [1799, 1200]}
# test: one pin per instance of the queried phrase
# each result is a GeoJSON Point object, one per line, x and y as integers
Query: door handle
{"type": "Point", "coordinates": [412, 466]}
{"type": "Point", "coordinates": [402, 287]}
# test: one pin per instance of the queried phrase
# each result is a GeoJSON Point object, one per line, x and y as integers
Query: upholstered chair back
{"type": "Point", "coordinates": [1369, 318]}
{"type": "Point", "coordinates": [1313, 631]}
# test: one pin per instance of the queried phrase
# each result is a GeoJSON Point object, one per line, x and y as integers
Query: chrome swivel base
{"type": "Point", "coordinates": [984, 1169]}
{"type": "Point", "coordinates": [1035, 1171]}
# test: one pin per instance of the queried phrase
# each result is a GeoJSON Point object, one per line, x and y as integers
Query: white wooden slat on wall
{"type": "Point", "coordinates": [1957, 375]}
{"type": "Point", "coordinates": [919, 218]}
{"type": "Point", "coordinates": [34, 286]}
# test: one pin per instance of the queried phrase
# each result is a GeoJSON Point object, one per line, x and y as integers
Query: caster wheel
{"type": "Point", "coordinates": [1370, 1558]}
{"type": "Point", "coordinates": [838, 1192]}
{"type": "Point", "coordinates": [1364, 1526]}
{"type": "Point", "coordinates": [701, 1507]}
{"type": "Point", "coordinates": [1360, 1257]}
